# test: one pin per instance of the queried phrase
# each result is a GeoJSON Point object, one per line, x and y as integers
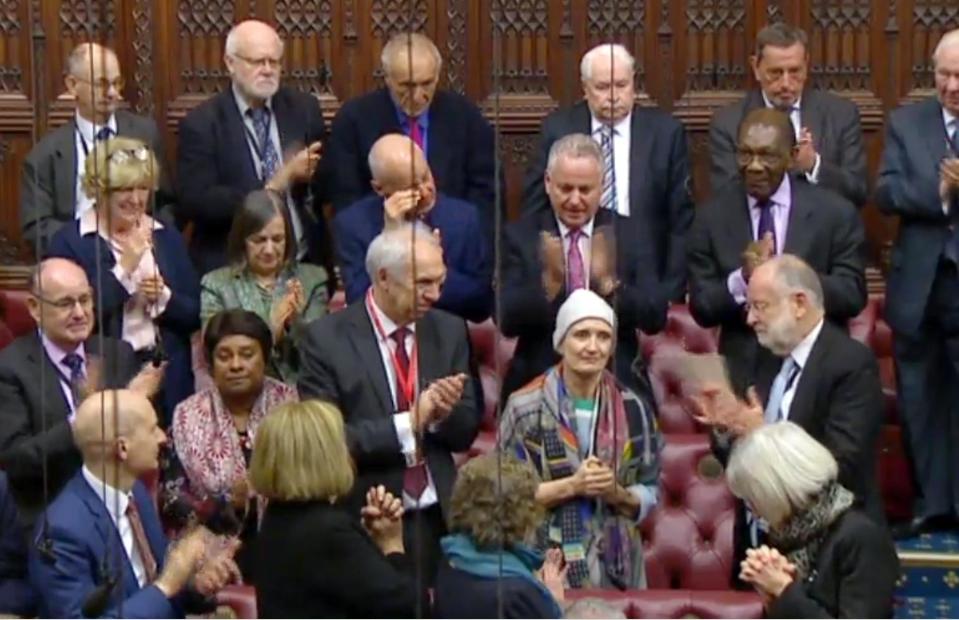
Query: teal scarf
{"type": "Point", "coordinates": [519, 561]}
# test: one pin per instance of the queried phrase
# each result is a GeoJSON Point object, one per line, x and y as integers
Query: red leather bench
{"type": "Point", "coordinates": [677, 603]}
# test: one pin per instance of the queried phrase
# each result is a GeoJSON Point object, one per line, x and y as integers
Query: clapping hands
{"type": "Point", "coordinates": [768, 571]}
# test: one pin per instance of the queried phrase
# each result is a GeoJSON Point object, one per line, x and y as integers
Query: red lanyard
{"type": "Point", "coordinates": [405, 383]}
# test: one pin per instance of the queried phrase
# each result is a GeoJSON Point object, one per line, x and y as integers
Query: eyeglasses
{"type": "Point", "coordinates": [261, 63]}
{"type": "Point", "coordinates": [140, 154]}
{"type": "Point", "coordinates": [744, 158]}
{"type": "Point", "coordinates": [67, 303]}
{"type": "Point", "coordinates": [103, 85]}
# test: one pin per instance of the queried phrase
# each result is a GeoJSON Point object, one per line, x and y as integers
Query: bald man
{"type": "Point", "coordinates": [404, 190]}
{"type": "Point", "coordinates": [39, 388]}
{"type": "Point", "coordinates": [104, 527]}
{"type": "Point", "coordinates": [255, 134]}
{"type": "Point", "coordinates": [50, 192]}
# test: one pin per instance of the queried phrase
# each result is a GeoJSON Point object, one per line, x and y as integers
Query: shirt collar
{"type": "Point", "coordinates": [56, 354]}
{"type": "Point", "coordinates": [386, 322]}
{"type": "Point", "coordinates": [621, 128]}
{"type": "Point", "coordinates": [88, 223]}
{"type": "Point", "coordinates": [586, 229]}
{"type": "Point", "coordinates": [769, 104]}
{"type": "Point", "coordinates": [115, 500]}
{"type": "Point", "coordinates": [948, 119]}
{"type": "Point", "coordinates": [800, 353]}
{"type": "Point", "coordinates": [242, 104]}
{"type": "Point", "coordinates": [404, 119]}
{"type": "Point", "coordinates": [780, 197]}
{"type": "Point", "coordinates": [88, 131]}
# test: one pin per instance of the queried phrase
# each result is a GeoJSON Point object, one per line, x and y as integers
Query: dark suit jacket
{"type": "Point", "coordinates": [836, 133]}
{"type": "Point", "coordinates": [317, 562]}
{"type": "Point", "coordinates": [48, 180]}
{"type": "Point", "coordinates": [468, 290]}
{"type": "Point", "coordinates": [216, 170]}
{"type": "Point", "coordinates": [526, 314]}
{"type": "Point", "coordinates": [660, 202]}
{"type": "Point", "coordinates": [87, 549]}
{"type": "Point", "coordinates": [908, 186]}
{"type": "Point", "coordinates": [459, 148]}
{"type": "Point", "coordinates": [824, 230]}
{"type": "Point", "coordinates": [181, 317]}
{"type": "Point", "coordinates": [342, 364]}
{"type": "Point", "coordinates": [28, 379]}
{"type": "Point", "coordinates": [854, 575]}
{"type": "Point", "coordinates": [459, 594]}
{"type": "Point", "coordinates": [16, 595]}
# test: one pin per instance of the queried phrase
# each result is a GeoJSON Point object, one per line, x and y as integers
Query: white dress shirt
{"type": "Point", "coordinates": [116, 502]}
{"type": "Point", "coordinates": [796, 119]}
{"type": "Point", "coordinates": [622, 141]}
{"type": "Point", "coordinates": [585, 244]}
{"type": "Point", "coordinates": [402, 421]}
{"type": "Point", "coordinates": [800, 355]}
{"type": "Point", "coordinates": [85, 139]}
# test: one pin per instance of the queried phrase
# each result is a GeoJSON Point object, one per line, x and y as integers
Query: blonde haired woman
{"type": "Point", "coordinates": [145, 286]}
{"type": "Point", "coordinates": [315, 559]}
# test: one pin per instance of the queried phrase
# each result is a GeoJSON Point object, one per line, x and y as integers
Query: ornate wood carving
{"type": "Point", "coordinates": [774, 13]}
{"type": "Point", "coordinates": [840, 44]}
{"type": "Point", "coordinates": [83, 20]}
{"type": "Point", "coordinates": [143, 52]}
{"type": "Point", "coordinates": [716, 47]}
{"type": "Point", "coordinates": [456, 45]}
{"type": "Point", "coordinates": [388, 17]}
{"type": "Point", "coordinates": [203, 26]}
{"type": "Point", "coordinates": [306, 27]}
{"type": "Point", "coordinates": [930, 20]}
{"type": "Point", "coordinates": [521, 33]}
{"type": "Point", "coordinates": [620, 21]}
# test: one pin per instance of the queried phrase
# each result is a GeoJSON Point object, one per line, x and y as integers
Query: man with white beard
{"type": "Point", "coordinates": [828, 383]}
{"type": "Point", "coordinates": [256, 134]}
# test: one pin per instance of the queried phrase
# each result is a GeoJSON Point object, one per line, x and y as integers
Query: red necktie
{"type": "Point", "coordinates": [415, 478]}
{"type": "Point", "coordinates": [415, 134]}
{"type": "Point", "coordinates": [575, 270]}
{"type": "Point", "coordinates": [140, 541]}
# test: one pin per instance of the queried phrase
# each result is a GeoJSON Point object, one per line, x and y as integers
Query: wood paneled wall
{"type": "Point", "coordinates": [517, 58]}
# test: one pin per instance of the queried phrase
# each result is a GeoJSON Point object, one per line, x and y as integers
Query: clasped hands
{"type": "Point", "coordinates": [768, 571]}
{"type": "Point", "coordinates": [602, 264]}
{"type": "Point", "coordinates": [436, 402]}
{"type": "Point", "coordinates": [382, 518]}
{"type": "Point", "coordinates": [203, 557]}
{"type": "Point", "coordinates": [716, 406]}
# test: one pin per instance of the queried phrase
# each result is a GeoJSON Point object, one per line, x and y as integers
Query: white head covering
{"type": "Point", "coordinates": [581, 304]}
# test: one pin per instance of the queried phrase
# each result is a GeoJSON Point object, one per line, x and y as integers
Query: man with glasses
{"type": "Point", "coordinates": [50, 186]}
{"type": "Point", "coordinates": [767, 213]}
{"type": "Point", "coordinates": [43, 376]}
{"type": "Point", "coordinates": [255, 134]}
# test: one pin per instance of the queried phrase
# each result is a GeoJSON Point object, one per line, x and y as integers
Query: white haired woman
{"type": "Point", "coordinates": [826, 559]}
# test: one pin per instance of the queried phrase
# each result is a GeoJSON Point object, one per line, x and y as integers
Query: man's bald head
{"type": "Point", "coordinates": [397, 164]}
{"type": "Point", "coordinates": [946, 62]}
{"type": "Point", "coordinates": [61, 302]}
{"type": "Point", "coordinates": [94, 80]}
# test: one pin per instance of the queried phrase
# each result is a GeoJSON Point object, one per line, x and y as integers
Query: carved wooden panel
{"type": "Point", "coordinates": [839, 42]}
{"type": "Point", "coordinates": [307, 30]}
{"type": "Point", "coordinates": [717, 50]}
{"type": "Point", "coordinates": [202, 26]}
{"type": "Point", "coordinates": [930, 19]}
{"type": "Point", "coordinates": [621, 22]}
{"type": "Point", "coordinates": [519, 46]}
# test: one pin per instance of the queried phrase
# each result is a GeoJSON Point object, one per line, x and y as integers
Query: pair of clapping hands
{"type": "Point", "coordinates": [602, 263]}
{"type": "Point", "coordinates": [436, 402]}
{"type": "Point", "coordinates": [287, 308]}
{"type": "Point", "coordinates": [202, 558]}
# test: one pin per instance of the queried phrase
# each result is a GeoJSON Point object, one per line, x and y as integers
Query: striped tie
{"type": "Point", "coordinates": [605, 138]}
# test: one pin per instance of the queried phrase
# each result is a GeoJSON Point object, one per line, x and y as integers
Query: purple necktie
{"type": "Point", "coordinates": [766, 223]}
{"type": "Point", "coordinates": [575, 272]}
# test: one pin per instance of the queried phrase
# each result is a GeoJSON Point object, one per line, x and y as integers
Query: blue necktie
{"type": "Point", "coordinates": [766, 222]}
{"type": "Point", "coordinates": [269, 159]}
{"type": "Point", "coordinates": [104, 134]}
{"type": "Point", "coordinates": [75, 363]}
{"type": "Point", "coordinates": [784, 380]}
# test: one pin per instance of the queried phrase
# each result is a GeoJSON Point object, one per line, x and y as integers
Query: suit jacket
{"type": "Point", "coordinates": [824, 230]}
{"type": "Point", "coordinates": [318, 562]}
{"type": "Point", "coordinates": [526, 314]}
{"type": "Point", "coordinates": [87, 550]}
{"type": "Point", "coordinates": [854, 575]}
{"type": "Point", "coordinates": [659, 183]}
{"type": "Point", "coordinates": [836, 132]}
{"type": "Point", "coordinates": [341, 363]}
{"type": "Point", "coordinates": [908, 186]}
{"type": "Point", "coordinates": [48, 180]}
{"type": "Point", "coordinates": [30, 391]}
{"type": "Point", "coordinates": [459, 144]}
{"type": "Point", "coordinates": [16, 595]}
{"type": "Point", "coordinates": [459, 594]}
{"type": "Point", "coordinates": [216, 170]}
{"type": "Point", "coordinates": [178, 321]}
{"type": "Point", "coordinates": [468, 289]}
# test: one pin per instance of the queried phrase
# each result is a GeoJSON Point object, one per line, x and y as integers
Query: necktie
{"type": "Point", "coordinates": [782, 383]}
{"type": "Point", "coordinates": [608, 198]}
{"type": "Point", "coordinates": [415, 134]}
{"type": "Point", "coordinates": [575, 271]}
{"type": "Point", "coordinates": [766, 222]}
{"type": "Point", "coordinates": [105, 133]}
{"type": "Point", "coordinates": [951, 249]}
{"type": "Point", "coordinates": [414, 478]}
{"type": "Point", "coordinates": [140, 542]}
{"type": "Point", "coordinates": [269, 159]}
{"type": "Point", "coordinates": [75, 363]}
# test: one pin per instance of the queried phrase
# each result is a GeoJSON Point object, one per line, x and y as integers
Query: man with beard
{"type": "Point", "coordinates": [255, 134]}
{"type": "Point", "coordinates": [765, 214]}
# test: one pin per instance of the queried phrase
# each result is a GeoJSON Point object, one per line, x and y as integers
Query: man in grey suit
{"type": "Point", "coordinates": [50, 192]}
{"type": "Point", "coordinates": [828, 132]}
{"type": "Point", "coordinates": [919, 182]}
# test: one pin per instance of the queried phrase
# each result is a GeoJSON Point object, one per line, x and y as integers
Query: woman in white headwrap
{"type": "Point", "coordinates": [595, 446]}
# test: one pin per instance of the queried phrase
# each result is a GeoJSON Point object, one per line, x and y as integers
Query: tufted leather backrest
{"type": "Point", "coordinates": [16, 319]}
{"type": "Point", "coordinates": [676, 603]}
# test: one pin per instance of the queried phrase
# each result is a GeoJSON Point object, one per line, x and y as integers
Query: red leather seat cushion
{"type": "Point", "coordinates": [240, 598]}
{"type": "Point", "coordinates": [677, 603]}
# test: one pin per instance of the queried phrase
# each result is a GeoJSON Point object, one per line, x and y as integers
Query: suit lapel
{"type": "Point", "coordinates": [367, 348]}
{"type": "Point", "coordinates": [109, 537]}
{"type": "Point", "coordinates": [799, 228]}
{"type": "Point", "coordinates": [59, 407]}
{"type": "Point", "coordinates": [935, 133]}
{"type": "Point", "coordinates": [812, 116]}
{"type": "Point", "coordinates": [235, 138]}
{"type": "Point", "coordinates": [739, 225]}
{"type": "Point", "coordinates": [66, 153]}
{"type": "Point", "coordinates": [640, 151]}
{"type": "Point", "coordinates": [436, 141]}
{"type": "Point", "coordinates": [801, 409]}
{"type": "Point", "coordinates": [292, 134]}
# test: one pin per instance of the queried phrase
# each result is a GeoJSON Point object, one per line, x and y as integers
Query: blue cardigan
{"type": "Point", "coordinates": [178, 321]}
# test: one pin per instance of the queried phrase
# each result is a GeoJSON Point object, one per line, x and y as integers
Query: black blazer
{"type": "Point", "coordinates": [315, 561]}
{"type": "Point", "coordinates": [908, 186]}
{"type": "Point", "coordinates": [341, 363]}
{"type": "Point", "coordinates": [459, 148]}
{"type": "Point", "coordinates": [215, 170]}
{"type": "Point", "coordinates": [824, 230]}
{"type": "Point", "coordinates": [459, 594]}
{"type": "Point", "coordinates": [660, 201]}
{"type": "Point", "coordinates": [526, 314]}
{"type": "Point", "coordinates": [854, 576]}
{"type": "Point", "coordinates": [836, 132]}
{"type": "Point", "coordinates": [28, 379]}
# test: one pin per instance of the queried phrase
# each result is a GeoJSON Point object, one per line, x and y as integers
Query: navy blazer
{"type": "Point", "coordinates": [459, 144]}
{"type": "Point", "coordinates": [181, 317]}
{"type": "Point", "coordinates": [216, 170]}
{"type": "Point", "coordinates": [468, 289]}
{"type": "Point", "coordinates": [16, 595]}
{"type": "Point", "coordinates": [82, 534]}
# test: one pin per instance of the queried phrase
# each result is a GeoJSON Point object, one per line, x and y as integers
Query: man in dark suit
{"type": "Point", "coordinates": [765, 214]}
{"type": "Point", "coordinates": [646, 163]}
{"type": "Point", "coordinates": [449, 128]}
{"type": "Point", "coordinates": [575, 244]}
{"type": "Point", "coordinates": [826, 382]}
{"type": "Point", "coordinates": [16, 595]}
{"type": "Point", "coordinates": [826, 126]}
{"type": "Point", "coordinates": [39, 388]}
{"type": "Point", "coordinates": [252, 135]}
{"type": "Point", "coordinates": [50, 190]}
{"type": "Point", "coordinates": [105, 551]}
{"type": "Point", "coordinates": [400, 372]}
{"type": "Point", "coordinates": [399, 198]}
{"type": "Point", "coordinates": [919, 182]}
